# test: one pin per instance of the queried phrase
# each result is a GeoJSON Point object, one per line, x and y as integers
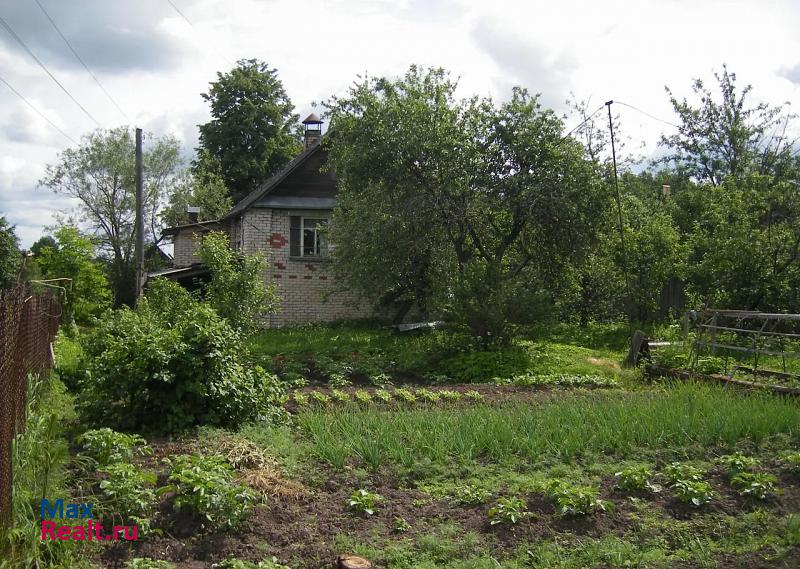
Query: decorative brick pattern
{"type": "Point", "coordinates": [277, 240]}
{"type": "Point", "coordinates": [280, 266]}
{"type": "Point", "coordinates": [311, 267]}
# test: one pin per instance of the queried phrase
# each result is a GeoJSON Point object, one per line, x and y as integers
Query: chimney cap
{"type": "Point", "coordinates": [312, 119]}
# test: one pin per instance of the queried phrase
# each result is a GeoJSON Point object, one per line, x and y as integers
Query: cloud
{"type": "Point", "coordinates": [111, 37]}
{"type": "Point", "coordinates": [792, 73]}
{"type": "Point", "coordinates": [526, 63]}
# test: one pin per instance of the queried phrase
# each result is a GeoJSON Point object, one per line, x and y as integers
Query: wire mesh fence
{"type": "Point", "coordinates": [28, 324]}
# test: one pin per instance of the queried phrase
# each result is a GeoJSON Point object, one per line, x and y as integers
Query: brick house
{"type": "Point", "coordinates": [284, 217]}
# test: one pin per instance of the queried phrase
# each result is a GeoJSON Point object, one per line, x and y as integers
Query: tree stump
{"type": "Point", "coordinates": [352, 562]}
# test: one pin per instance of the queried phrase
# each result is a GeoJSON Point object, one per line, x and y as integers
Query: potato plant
{"type": "Point", "coordinates": [757, 485]}
{"type": "Point", "coordinates": [508, 511]}
{"type": "Point", "coordinates": [363, 501]}
{"type": "Point", "coordinates": [577, 500]}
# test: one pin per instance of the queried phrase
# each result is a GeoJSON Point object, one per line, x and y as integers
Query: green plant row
{"type": "Point", "coordinates": [400, 395]}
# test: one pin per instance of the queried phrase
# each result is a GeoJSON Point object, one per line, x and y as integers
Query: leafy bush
{"type": "Point", "coordinates": [383, 395]}
{"type": "Point", "coordinates": [107, 446]}
{"type": "Point", "coordinates": [792, 461]}
{"type": "Point", "coordinates": [300, 399]}
{"type": "Point", "coordinates": [474, 395]}
{"type": "Point", "coordinates": [205, 485]}
{"type": "Point", "coordinates": [695, 492]}
{"type": "Point", "coordinates": [363, 501]}
{"type": "Point", "coordinates": [173, 363]}
{"type": "Point", "coordinates": [470, 495]}
{"type": "Point", "coordinates": [679, 471]}
{"type": "Point", "coordinates": [671, 357]}
{"type": "Point", "coordinates": [427, 395]}
{"type": "Point", "coordinates": [405, 395]}
{"type": "Point", "coordinates": [450, 395]}
{"type": "Point", "coordinates": [320, 399]}
{"type": "Point", "coordinates": [737, 463]}
{"type": "Point", "coordinates": [577, 500]}
{"type": "Point", "coordinates": [340, 396]}
{"type": "Point", "coordinates": [127, 491]}
{"type": "Point", "coordinates": [756, 484]}
{"type": "Point", "coordinates": [562, 380]}
{"type": "Point", "coordinates": [480, 367]}
{"type": "Point", "coordinates": [636, 479]}
{"type": "Point", "coordinates": [363, 397]}
{"type": "Point", "coordinates": [508, 511]}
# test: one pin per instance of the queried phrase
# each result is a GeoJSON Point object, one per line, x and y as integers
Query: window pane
{"type": "Point", "coordinates": [309, 238]}
{"type": "Point", "coordinates": [294, 235]}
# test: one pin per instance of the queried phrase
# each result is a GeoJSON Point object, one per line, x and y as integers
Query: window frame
{"type": "Point", "coordinates": [299, 231]}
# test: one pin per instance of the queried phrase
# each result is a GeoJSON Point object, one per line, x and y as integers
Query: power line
{"type": "Point", "coordinates": [43, 66]}
{"type": "Point", "coordinates": [647, 114]}
{"type": "Point", "coordinates": [217, 51]}
{"type": "Point", "coordinates": [79, 58]}
{"type": "Point", "coordinates": [181, 14]}
{"type": "Point", "coordinates": [38, 112]}
{"type": "Point", "coordinates": [583, 122]}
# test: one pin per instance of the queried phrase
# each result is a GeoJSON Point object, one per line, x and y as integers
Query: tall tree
{"type": "Point", "coordinates": [99, 174]}
{"type": "Point", "coordinates": [73, 256]}
{"type": "Point", "coordinates": [497, 189]}
{"type": "Point", "coordinates": [9, 254]}
{"type": "Point", "coordinates": [201, 187]}
{"type": "Point", "coordinates": [253, 131]}
{"type": "Point", "coordinates": [724, 135]}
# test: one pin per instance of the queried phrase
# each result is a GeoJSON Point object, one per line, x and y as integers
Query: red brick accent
{"type": "Point", "coordinates": [311, 268]}
{"type": "Point", "coordinates": [307, 277]}
{"type": "Point", "coordinates": [276, 241]}
{"type": "Point", "coordinates": [277, 276]}
{"type": "Point", "coordinates": [292, 276]}
{"type": "Point", "coordinates": [280, 266]}
{"type": "Point", "coordinates": [323, 278]}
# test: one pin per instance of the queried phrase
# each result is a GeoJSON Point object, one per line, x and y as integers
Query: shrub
{"type": "Point", "coordinates": [695, 492]}
{"type": "Point", "coordinates": [405, 395]}
{"type": "Point", "coordinates": [450, 395]}
{"type": "Point", "coordinates": [383, 395]}
{"type": "Point", "coordinates": [173, 363]}
{"type": "Point", "coordinates": [636, 479]}
{"type": "Point", "coordinates": [363, 501]}
{"type": "Point", "coordinates": [320, 399]}
{"type": "Point", "coordinates": [127, 491]}
{"type": "Point", "coordinates": [473, 395]}
{"type": "Point", "coordinates": [679, 471]}
{"type": "Point", "coordinates": [758, 485]}
{"type": "Point", "coordinates": [340, 396]}
{"type": "Point", "coordinates": [205, 485]}
{"type": "Point", "coordinates": [300, 399]}
{"type": "Point", "coordinates": [106, 446]}
{"type": "Point", "coordinates": [507, 511]}
{"type": "Point", "coordinates": [577, 500]}
{"type": "Point", "coordinates": [737, 463]}
{"type": "Point", "coordinates": [427, 395]}
{"type": "Point", "coordinates": [363, 397]}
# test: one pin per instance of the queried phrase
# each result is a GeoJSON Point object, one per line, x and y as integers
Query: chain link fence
{"type": "Point", "coordinates": [28, 324]}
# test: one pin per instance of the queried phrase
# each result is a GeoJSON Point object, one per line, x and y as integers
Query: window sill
{"type": "Point", "coordinates": [310, 259]}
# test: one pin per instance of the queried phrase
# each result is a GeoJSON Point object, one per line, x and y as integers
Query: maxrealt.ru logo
{"type": "Point", "coordinates": [88, 531]}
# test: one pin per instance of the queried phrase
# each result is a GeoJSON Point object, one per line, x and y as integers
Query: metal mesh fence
{"type": "Point", "coordinates": [28, 324]}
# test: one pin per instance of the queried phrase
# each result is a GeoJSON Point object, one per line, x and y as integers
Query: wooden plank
{"type": "Point", "coordinates": [746, 331]}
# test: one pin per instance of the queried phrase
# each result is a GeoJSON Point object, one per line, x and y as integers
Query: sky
{"type": "Point", "coordinates": [155, 58]}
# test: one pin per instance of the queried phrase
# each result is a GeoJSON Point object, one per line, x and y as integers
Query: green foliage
{"type": "Point", "coordinates": [127, 492]}
{"type": "Point", "coordinates": [470, 495]}
{"type": "Point", "coordinates": [383, 395]}
{"type": "Point", "coordinates": [363, 397]}
{"type": "Point", "coordinates": [10, 256]}
{"type": "Point", "coordinates": [73, 256]}
{"type": "Point", "coordinates": [170, 364]}
{"type": "Point", "coordinates": [792, 461]}
{"type": "Point", "coordinates": [427, 395]}
{"type": "Point", "coordinates": [400, 524]}
{"type": "Point", "coordinates": [363, 501]}
{"type": "Point", "coordinates": [320, 399]}
{"type": "Point", "coordinates": [480, 367]}
{"type": "Point", "coordinates": [577, 500]}
{"type": "Point", "coordinates": [759, 485]}
{"type": "Point", "coordinates": [106, 446]}
{"type": "Point", "coordinates": [690, 491]}
{"type": "Point", "coordinates": [737, 463]}
{"type": "Point", "coordinates": [561, 380]}
{"type": "Point", "coordinates": [237, 290]}
{"type": "Point", "coordinates": [678, 471]}
{"type": "Point", "coordinates": [99, 174]}
{"type": "Point", "coordinates": [146, 563]}
{"type": "Point", "coordinates": [450, 395]}
{"type": "Point", "coordinates": [205, 485]}
{"type": "Point", "coordinates": [473, 395]}
{"type": "Point", "coordinates": [404, 395]}
{"type": "Point", "coordinates": [240, 564]}
{"type": "Point", "coordinates": [636, 479]}
{"type": "Point", "coordinates": [340, 396]}
{"type": "Point", "coordinates": [203, 188]}
{"type": "Point", "coordinates": [253, 131]}
{"type": "Point", "coordinates": [40, 460]}
{"type": "Point", "coordinates": [300, 399]}
{"type": "Point", "coordinates": [508, 511]}
{"type": "Point", "coordinates": [435, 239]}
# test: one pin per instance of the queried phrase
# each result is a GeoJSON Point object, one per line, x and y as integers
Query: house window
{"type": "Point", "coordinates": [308, 236]}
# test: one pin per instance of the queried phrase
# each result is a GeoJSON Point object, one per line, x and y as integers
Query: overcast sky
{"type": "Point", "coordinates": [155, 64]}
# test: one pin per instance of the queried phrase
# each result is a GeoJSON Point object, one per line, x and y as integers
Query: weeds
{"type": "Point", "coordinates": [107, 446]}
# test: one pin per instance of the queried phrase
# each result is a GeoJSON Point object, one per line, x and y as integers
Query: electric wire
{"type": "Point", "coordinates": [43, 66]}
{"type": "Point", "coordinates": [217, 52]}
{"type": "Point", "coordinates": [647, 114]}
{"type": "Point", "coordinates": [80, 59]}
{"type": "Point", "coordinates": [37, 111]}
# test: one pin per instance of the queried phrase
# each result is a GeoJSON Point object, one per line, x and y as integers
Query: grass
{"type": "Point", "coordinates": [571, 426]}
{"type": "Point", "coordinates": [447, 355]}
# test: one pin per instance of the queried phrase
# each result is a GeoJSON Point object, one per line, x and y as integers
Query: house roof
{"type": "Point", "coordinates": [199, 225]}
{"type": "Point", "coordinates": [269, 185]}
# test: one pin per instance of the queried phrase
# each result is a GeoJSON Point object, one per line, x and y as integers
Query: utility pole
{"type": "Point", "coordinates": [619, 216]}
{"type": "Point", "coordinates": [139, 216]}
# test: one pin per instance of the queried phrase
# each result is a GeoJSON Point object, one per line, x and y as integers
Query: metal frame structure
{"type": "Point", "coordinates": [752, 333]}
